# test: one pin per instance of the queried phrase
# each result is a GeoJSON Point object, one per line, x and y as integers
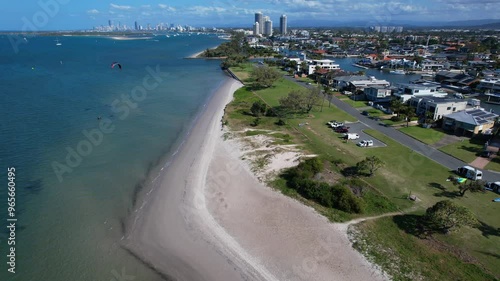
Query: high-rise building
{"type": "Point", "coordinates": [283, 24]}
{"type": "Point", "coordinates": [268, 27]}
{"type": "Point", "coordinates": [136, 26]}
{"type": "Point", "coordinates": [256, 29]}
{"type": "Point", "coordinates": [110, 23]}
{"type": "Point", "coordinates": [260, 19]}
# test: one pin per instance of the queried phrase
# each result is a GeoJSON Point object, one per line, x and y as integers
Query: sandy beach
{"type": "Point", "coordinates": [207, 217]}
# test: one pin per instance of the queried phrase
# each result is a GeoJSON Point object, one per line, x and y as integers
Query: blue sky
{"type": "Point", "coordinates": [74, 14]}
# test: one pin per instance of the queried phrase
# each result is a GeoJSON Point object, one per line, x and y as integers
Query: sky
{"type": "Point", "coordinates": [74, 14]}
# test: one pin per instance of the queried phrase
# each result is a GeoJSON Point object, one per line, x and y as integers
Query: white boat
{"type": "Point", "coordinates": [58, 43]}
{"type": "Point", "coordinates": [397, 71]}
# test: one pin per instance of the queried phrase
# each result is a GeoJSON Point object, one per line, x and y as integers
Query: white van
{"type": "Point", "coordinates": [351, 136]}
{"type": "Point", "coordinates": [470, 173]}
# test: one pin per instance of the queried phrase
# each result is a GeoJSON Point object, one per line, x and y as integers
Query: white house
{"type": "Point", "coordinates": [407, 91]}
{"type": "Point", "coordinates": [358, 82]}
{"type": "Point", "coordinates": [437, 106]}
{"type": "Point", "coordinates": [431, 65]}
{"type": "Point", "coordinates": [374, 93]}
{"type": "Point", "coordinates": [489, 84]}
{"type": "Point", "coordinates": [325, 64]}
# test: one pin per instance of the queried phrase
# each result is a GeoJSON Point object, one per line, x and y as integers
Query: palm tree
{"type": "Point", "coordinates": [410, 113]}
{"type": "Point", "coordinates": [328, 94]}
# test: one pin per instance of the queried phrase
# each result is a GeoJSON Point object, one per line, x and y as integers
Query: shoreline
{"type": "Point", "coordinates": [207, 217]}
{"type": "Point", "coordinates": [198, 54]}
{"type": "Point", "coordinates": [172, 231]}
{"type": "Point", "coordinates": [293, 240]}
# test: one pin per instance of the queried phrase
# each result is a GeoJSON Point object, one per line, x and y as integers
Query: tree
{"type": "Point", "coordinates": [312, 98]}
{"type": "Point", "coordinates": [409, 113]}
{"type": "Point", "coordinates": [470, 185]}
{"type": "Point", "coordinates": [446, 216]}
{"type": "Point", "coordinates": [264, 76]}
{"type": "Point", "coordinates": [258, 108]}
{"type": "Point", "coordinates": [294, 101]}
{"type": "Point", "coordinates": [304, 67]}
{"type": "Point", "coordinates": [328, 94]}
{"type": "Point", "coordinates": [370, 163]}
{"type": "Point", "coordinates": [396, 105]}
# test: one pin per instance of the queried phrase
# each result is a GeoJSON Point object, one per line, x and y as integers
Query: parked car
{"type": "Point", "coordinates": [493, 186]}
{"type": "Point", "coordinates": [470, 173]}
{"type": "Point", "coordinates": [336, 124]}
{"type": "Point", "coordinates": [486, 154]}
{"type": "Point", "coordinates": [365, 113]}
{"type": "Point", "coordinates": [365, 143]}
{"type": "Point", "coordinates": [352, 136]}
{"type": "Point", "coordinates": [342, 130]}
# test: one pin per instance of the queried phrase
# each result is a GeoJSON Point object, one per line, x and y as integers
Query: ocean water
{"type": "Point", "coordinates": [83, 136]}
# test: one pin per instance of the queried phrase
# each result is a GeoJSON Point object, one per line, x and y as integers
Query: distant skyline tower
{"type": "Point", "coordinates": [260, 19]}
{"type": "Point", "coordinates": [283, 24]}
{"type": "Point", "coordinates": [136, 26]}
{"type": "Point", "coordinates": [268, 27]}
{"type": "Point", "coordinates": [256, 29]}
{"type": "Point", "coordinates": [110, 23]}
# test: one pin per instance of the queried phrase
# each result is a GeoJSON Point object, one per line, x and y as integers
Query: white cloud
{"type": "Point", "coordinates": [120, 7]}
{"type": "Point", "coordinates": [166, 7]}
{"type": "Point", "coordinates": [93, 12]}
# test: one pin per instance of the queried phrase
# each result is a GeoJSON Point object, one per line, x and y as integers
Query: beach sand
{"type": "Point", "coordinates": [207, 217]}
{"type": "Point", "coordinates": [291, 239]}
{"type": "Point", "coordinates": [173, 231]}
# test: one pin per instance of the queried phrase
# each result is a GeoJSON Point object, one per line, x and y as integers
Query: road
{"type": "Point", "coordinates": [442, 158]}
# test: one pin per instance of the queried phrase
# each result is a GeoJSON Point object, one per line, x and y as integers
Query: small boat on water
{"type": "Point", "coordinates": [397, 71]}
{"type": "Point", "coordinates": [58, 43]}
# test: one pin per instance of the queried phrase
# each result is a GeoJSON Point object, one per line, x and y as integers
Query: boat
{"type": "Point", "coordinates": [397, 71]}
{"type": "Point", "coordinates": [58, 43]}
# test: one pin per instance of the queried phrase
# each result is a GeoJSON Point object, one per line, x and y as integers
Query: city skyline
{"type": "Point", "coordinates": [61, 15]}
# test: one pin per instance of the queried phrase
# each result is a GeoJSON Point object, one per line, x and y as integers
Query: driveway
{"type": "Point", "coordinates": [442, 158]}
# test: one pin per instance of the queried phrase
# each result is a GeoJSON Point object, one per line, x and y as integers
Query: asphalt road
{"type": "Point", "coordinates": [442, 158]}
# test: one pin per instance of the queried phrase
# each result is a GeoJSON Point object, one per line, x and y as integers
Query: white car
{"type": "Point", "coordinates": [351, 136]}
{"type": "Point", "coordinates": [365, 143]}
{"type": "Point", "coordinates": [336, 124]}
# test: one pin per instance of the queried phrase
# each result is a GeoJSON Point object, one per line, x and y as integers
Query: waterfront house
{"type": "Point", "coordinates": [469, 122]}
{"type": "Point", "coordinates": [438, 107]}
{"type": "Point", "coordinates": [355, 83]}
{"type": "Point", "coordinates": [377, 93]}
{"type": "Point", "coordinates": [329, 65]}
{"type": "Point", "coordinates": [407, 91]}
{"type": "Point", "coordinates": [431, 65]}
{"type": "Point", "coordinates": [491, 85]}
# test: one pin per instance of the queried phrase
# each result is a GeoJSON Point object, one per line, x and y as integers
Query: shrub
{"type": "Point", "coordinates": [396, 118]}
{"type": "Point", "coordinates": [258, 109]}
{"type": "Point", "coordinates": [345, 200]}
{"type": "Point", "coordinates": [256, 122]}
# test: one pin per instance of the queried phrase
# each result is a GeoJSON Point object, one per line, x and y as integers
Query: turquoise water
{"type": "Point", "coordinates": [52, 98]}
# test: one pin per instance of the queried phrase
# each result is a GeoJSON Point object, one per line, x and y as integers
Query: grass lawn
{"type": "Point", "coordinates": [306, 80]}
{"type": "Point", "coordinates": [407, 257]}
{"type": "Point", "coordinates": [279, 89]}
{"type": "Point", "coordinates": [427, 136]}
{"type": "Point", "coordinates": [353, 103]}
{"type": "Point", "coordinates": [464, 150]}
{"type": "Point", "coordinates": [243, 71]}
{"type": "Point", "coordinates": [404, 172]}
{"type": "Point", "coordinates": [375, 112]}
{"type": "Point", "coordinates": [494, 164]}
